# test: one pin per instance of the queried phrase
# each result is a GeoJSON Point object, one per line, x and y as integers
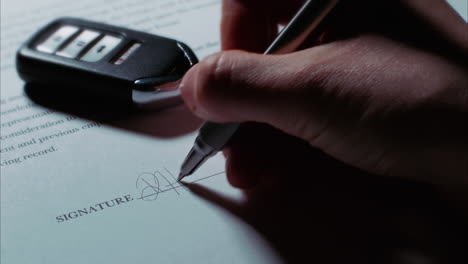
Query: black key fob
{"type": "Point", "coordinates": [79, 57]}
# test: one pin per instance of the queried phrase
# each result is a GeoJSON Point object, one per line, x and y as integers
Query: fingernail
{"type": "Point", "coordinates": [188, 87]}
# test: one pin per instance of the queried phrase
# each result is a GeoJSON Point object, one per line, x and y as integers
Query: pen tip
{"type": "Point", "coordinates": [181, 176]}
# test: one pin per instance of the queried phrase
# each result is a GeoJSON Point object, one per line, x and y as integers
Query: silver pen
{"type": "Point", "coordinates": [213, 137]}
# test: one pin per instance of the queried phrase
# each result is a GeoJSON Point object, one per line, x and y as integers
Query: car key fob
{"type": "Point", "coordinates": [106, 62]}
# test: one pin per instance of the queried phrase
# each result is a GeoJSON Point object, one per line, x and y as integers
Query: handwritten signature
{"type": "Point", "coordinates": [151, 184]}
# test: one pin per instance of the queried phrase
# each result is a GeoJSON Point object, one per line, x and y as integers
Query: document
{"type": "Point", "coordinates": [77, 190]}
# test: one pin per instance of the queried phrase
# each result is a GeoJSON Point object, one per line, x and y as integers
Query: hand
{"type": "Point", "coordinates": [386, 90]}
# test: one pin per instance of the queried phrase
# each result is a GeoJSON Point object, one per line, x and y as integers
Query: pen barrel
{"type": "Point", "coordinates": [303, 24]}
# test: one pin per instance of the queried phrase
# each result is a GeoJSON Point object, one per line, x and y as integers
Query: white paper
{"type": "Point", "coordinates": [58, 172]}
{"type": "Point", "coordinates": [55, 167]}
{"type": "Point", "coordinates": [461, 6]}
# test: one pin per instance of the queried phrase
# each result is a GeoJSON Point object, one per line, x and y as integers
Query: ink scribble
{"type": "Point", "coordinates": [151, 184]}
{"type": "Point", "coordinates": [148, 184]}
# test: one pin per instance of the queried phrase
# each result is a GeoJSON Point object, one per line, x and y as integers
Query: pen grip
{"type": "Point", "coordinates": [217, 135]}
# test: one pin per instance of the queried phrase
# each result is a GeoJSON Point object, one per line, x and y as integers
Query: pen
{"type": "Point", "coordinates": [213, 137]}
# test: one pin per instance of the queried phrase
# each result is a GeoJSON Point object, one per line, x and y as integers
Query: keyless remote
{"type": "Point", "coordinates": [104, 61]}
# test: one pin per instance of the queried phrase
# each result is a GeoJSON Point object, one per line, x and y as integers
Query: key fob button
{"type": "Point", "coordinates": [101, 49]}
{"type": "Point", "coordinates": [129, 51]}
{"type": "Point", "coordinates": [54, 41]}
{"type": "Point", "coordinates": [73, 49]}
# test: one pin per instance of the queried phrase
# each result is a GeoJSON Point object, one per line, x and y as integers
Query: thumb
{"type": "Point", "coordinates": [284, 91]}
